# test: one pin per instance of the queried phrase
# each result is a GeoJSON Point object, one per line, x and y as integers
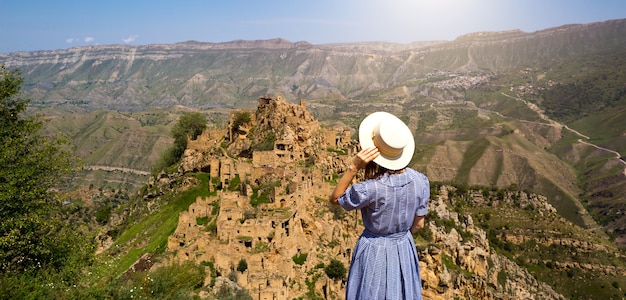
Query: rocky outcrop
{"type": "Point", "coordinates": [479, 273]}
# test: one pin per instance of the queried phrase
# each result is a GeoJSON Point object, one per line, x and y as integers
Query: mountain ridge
{"type": "Point", "coordinates": [240, 70]}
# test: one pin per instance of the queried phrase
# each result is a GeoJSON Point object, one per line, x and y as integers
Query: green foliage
{"type": "Point", "coordinates": [228, 292]}
{"type": "Point", "coordinates": [299, 259]}
{"type": "Point", "coordinates": [595, 89]}
{"type": "Point", "coordinates": [189, 125]}
{"type": "Point", "coordinates": [261, 194]}
{"type": "Point", "coordinates": [426, 233]}
{"type": "Point", "coordinates": [260, 247]}
{"type": "Point", "coordinates": [241, 118]}
{"type": "Point", "coordinates": [338, 212]}
{"type": "Point", "coordinates": [177, 281]}
{"type": "Point", "coordinates": [235, 184]}
{"type": "Point", "coordinates": [335, 270]}
{"type": "Point", "coordinates": [338, 151]}
{"type": "Point", "coordinates": [212, 227]}
{"type": "Point", "coordinates": [202, 220]}
{"type": "Point", "coordinates": [242, 266]}
{"type": "Point", "coordinates": [267, 143]}
{"type": "Point", "coordinates": [32, 235]}
{"type": "Point", "coordinates": [102, 214]}
{"type": "Point", "coordinates": [502, 278]}
{"type": "Point", "coordinates": [311, 293]}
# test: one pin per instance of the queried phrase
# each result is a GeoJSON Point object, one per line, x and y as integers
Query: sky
{"type": "Point", "coordinates": [32, 25]}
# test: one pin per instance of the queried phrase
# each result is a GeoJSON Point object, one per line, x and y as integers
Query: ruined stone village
{"type": "Point", "coordinates": [287, 240]}
{"type": "Point", "coordinates": [296, 219]}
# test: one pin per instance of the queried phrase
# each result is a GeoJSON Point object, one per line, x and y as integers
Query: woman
{"type": "Point", "coordinates": [393, 201]}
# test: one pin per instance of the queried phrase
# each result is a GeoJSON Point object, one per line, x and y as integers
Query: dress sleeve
{"type": "Point", "coordinates": [355, 197]}
{"type": "Point", "coordinates": [423, 197]}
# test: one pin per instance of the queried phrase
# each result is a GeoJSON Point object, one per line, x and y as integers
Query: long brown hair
{"type": "Point", "coordinates": [373, 171]}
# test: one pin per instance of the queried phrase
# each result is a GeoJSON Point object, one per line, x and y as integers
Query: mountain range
{"type": "Point", "coordinates": [540, 111]}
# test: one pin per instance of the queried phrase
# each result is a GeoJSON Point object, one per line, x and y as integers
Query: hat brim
{"type": "Point", "coordinates": [365, 140]}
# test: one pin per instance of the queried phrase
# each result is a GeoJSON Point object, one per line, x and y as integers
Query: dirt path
{"type": "Point", "coordinates": [124, 170]}
{"type": "Point", "coordinates": [546, 118]}
{"type": "Point", "coordinates": [536, 109]}
{"type": "Point", "coordinates": [617, 154]}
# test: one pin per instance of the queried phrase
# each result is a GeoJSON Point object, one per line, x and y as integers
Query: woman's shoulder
{"type": "Point", "coordinates": [413, 173]}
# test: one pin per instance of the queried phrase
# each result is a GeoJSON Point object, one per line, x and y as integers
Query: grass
{"type": "Point", "coordinates": [150, 235]}
{"type": "Point", "coordinates": [473, 153]}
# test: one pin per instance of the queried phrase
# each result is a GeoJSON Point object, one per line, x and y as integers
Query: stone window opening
{"type": "Point", "coordinates": [285, 226]}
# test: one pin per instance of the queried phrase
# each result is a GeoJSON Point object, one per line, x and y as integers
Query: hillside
{"type": "Point", "coordinates": [270, 211]}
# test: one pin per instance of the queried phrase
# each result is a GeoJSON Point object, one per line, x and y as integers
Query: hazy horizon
{"type": "Point", "coordinates": [50, 25]}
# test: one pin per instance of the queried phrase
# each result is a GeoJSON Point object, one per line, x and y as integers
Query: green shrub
{"type": "Point", "coordinates": [202, 220]}
{"type": "Point", "coordinates": [266, 144]}
{"type": "Point", "coordinates": [242, 266]}
{"type": "Point", "coordinates": [212, 270]}
{"type": "Point", "coordinates": [235, 184]}
{"type": "Point", "coordinates": [102, 214]}
{"type": "Point", "coordinates": [335, 270]}
{"type": "Point", "coordinates": [212, 227]}
{"type": "Point", "coordinates": [299, 259]}
{"type": "Point", "coordinates": [425, 233]}
{"type": "Point", "coordinates": [241, 118]}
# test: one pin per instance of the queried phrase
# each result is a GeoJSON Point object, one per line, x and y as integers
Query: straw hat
{"type": "Point", "coordinates": [391, 136]}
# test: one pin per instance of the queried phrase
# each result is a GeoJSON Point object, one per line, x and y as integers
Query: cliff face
{"type": "Point", "coordinates": [289, 237]}
{"type": "Point", "coordinates": [208, 75]}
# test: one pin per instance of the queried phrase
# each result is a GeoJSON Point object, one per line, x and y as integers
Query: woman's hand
{"type": "Point", "coordinates": [364, 156]}
{"type": "Point", "coordinates": [359, 161]}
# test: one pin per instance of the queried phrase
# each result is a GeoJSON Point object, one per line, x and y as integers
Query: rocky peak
{"type": "Point", "coordinates": [286, 121]}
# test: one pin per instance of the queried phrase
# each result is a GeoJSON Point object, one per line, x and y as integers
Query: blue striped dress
{"type": "Point", "coordinates": [384, 262]}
